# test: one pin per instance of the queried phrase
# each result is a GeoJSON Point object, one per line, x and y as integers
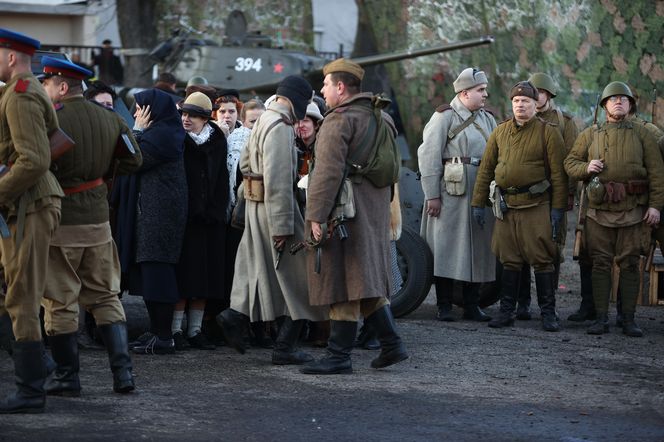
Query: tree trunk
{"type": "Point", "coordinates": [138, 32]}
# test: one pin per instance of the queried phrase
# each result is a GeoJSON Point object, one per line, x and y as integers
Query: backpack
{"type": "Point", "coordinates": [382, 168]}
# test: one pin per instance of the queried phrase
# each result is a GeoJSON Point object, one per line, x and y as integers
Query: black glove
{"type": "Point", "coordinates": [478, 216]}
{"type": "Point", "coordinates": [556, 219]}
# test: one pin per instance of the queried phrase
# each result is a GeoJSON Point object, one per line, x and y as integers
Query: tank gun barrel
{"type": "Point", "coordinates": [402, 55]}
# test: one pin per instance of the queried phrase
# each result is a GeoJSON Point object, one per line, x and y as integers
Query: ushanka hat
{"type": "Point", "coordinates": [298, 91]}
{"type": "Point", "coordinates": [524, 89]}
{"type": "Point", "coordinates": [197, 104]}
{"type": "Point", "coordinates": [468, 79]}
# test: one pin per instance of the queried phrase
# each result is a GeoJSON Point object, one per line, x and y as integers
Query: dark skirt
{"type": "Point", "coordinates": [154, 281]}
{"type": "Point", "coordinates": [202, 267]}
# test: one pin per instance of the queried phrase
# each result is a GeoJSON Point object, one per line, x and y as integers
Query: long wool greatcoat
{"type": "Point", "coordinates": [359, 266]}
{"type": "Point", "coordinates": [461, 250]}
{"type": "Point", "coordinates": [259, 290]}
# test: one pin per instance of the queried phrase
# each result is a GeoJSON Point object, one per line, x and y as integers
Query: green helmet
{"type": "Point", "coordinates": [617, 88]}
{"type": "Point", "coordinates": [543, 81]}
{"type": "Point", "coordinates": [197, 81]}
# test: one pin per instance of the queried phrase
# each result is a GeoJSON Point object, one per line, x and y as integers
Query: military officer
{"type": "Point", "coordinates": [83, 262]}
{"type": "Point", "coordinates": [621, 159]}
{"type": "Point", "coordinates": [564, 122]}
{"type": "Point", "coordinates": [524, 156]}
{"type": "Point", "coordinates": [30, 202]}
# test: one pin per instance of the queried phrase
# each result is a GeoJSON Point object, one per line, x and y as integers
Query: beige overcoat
{"type": "Point", "coordinates": [260, 290]}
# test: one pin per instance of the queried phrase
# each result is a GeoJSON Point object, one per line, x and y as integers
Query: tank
{"type": "Point", "coordinates": [248, 62]}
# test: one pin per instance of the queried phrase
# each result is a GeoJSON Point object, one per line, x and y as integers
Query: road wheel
{"type": "Point", "coordinates": [416, 266]}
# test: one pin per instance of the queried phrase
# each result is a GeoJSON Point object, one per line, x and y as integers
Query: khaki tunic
{"type": "Point", "coordinates": [26, 118]}
{"type": "Point", "coordinates": [259, 290]}
{"type": "Point", "coordinates": [514, 157]}
{"type": "Point", "coordinates": [83, 259]}
{"type": "Point", "coordinates": [461, 250]}
{"type": "Point", "coordinates": [359, 267]}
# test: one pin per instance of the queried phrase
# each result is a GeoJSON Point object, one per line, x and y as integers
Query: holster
{"type": "Point", "coordinates": [254, 190]}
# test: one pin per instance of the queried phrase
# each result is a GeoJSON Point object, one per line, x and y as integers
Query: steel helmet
{"type": "Point", "coordinates": [543, 81]}
{"type": "Point", "coordinates": [197, 81]}
{"type": "Point", "coordinates": [617, 88]}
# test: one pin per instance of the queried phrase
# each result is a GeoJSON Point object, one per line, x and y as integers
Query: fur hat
{"type": "Point", "coordinates": [313, 112]}
{"type": "Point", "coordinates": [343, 65]}
{"type": "Point", "coordinates": [198, 104]}
{"type": "Point", "coordinates": [298, 91]}
{"type": "Point", "coordinates": [524, 89]}
{"type": "Point", "coordinates": [468, 79]}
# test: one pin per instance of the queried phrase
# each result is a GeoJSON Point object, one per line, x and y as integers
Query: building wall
{"type": "Point", "coordinates": [335, 23]}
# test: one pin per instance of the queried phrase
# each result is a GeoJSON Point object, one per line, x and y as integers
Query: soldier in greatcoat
{"type": "Point", "coordinates": [524, 155]}
{"type": "Point", "coordinates": [84, 268]}
{"type": "Point", "coordinates": [354, 273]}
{"type": "Point", "coordinates": [621, 161]}
{"type": "Point", "coordinates": [30, 203]}
{"type": "Point", "coordinates": [449, 157]}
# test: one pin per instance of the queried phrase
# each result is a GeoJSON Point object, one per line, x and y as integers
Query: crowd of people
{"type": "Point", "coordinates": [202, 207]}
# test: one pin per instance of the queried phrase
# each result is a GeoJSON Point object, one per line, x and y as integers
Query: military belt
{"type": "Point", "coordinates": [513, 190]}
{"type": "Point", "coordinates": [83, 186]}
{"type": "Point", "coordinates": [473, 161]}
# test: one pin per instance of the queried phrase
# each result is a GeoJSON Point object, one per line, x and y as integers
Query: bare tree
{"type": "Point", "coordinates": [137, 23]}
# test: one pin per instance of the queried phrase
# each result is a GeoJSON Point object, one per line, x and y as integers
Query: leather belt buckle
{"type": "Point", "coordinates": [475, 161]}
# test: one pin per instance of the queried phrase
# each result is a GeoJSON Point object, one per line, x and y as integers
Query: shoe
{"type": "Point", "coordinates": [600, 326]}
{"type": "Point", "coordinates": [523, 313]}
{"type": "Point", "coordinates": [444, 298]}
{"type": "Point", "coordinates": [141, 340]}
{"type": "Point", "coordinates": [200, 342]}
{"type": "Point", "coordinates": [180, 341]}
{"type": "Point", "coordinates": [629, 327]}
{"type": "Point", "coordinates": [546, 298]}
{"type": "Point", "coordinates": [586, 311]}
{"type": "Point", "coordinates": [285, 348]}
{"type": "Point", "coordinates": [367, 338]}
{"type": "Point", "coordinates": [30, 375]}
{"type": "Point", "coordinates": [474, 313]}
{"type": "Point", "coordinates": [115, 338]}
{"type": "Point", "coordinates": [234, 326]}
{"type": "Point", "coordinates": [155, 346]}
{"type": "Point", "coordinates": [502, 320]}
{"type": "Point", "coordinates": [471, 299]}
{"type": "Point", "coordinates": [392, 349]}
{"type": "Point", "coordinates": [339, 346]}
{"type": "Point", "coordinates": [445, 313]}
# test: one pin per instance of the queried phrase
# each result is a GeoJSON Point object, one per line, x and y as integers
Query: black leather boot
{"type": "Point", "coordinates": [30, 396]}
{"type": "Point", "coordinates": [392, 349]}
{"type": "Point", "coordinates": [619, 310]}
{"type": "Point", "coordinates": [339, 346]}
{"type": "Point", "coordinates": [471, 298]}
{"type": "Point", "coordinates": [234, 326]}
{"type": "Point", "coordinates": [586, 310]}
{"type": "Point", "coordinates": [546, 298]}
{"type": "Point", "coordinates": [6, 334]}
{"type": "Point", "coordinates": [601, 288]}
{"type": "Point", "coordinates": [285, 347]}
{"type": "Point", "coordinates": [444, 296]}
{"type": "Point", "coordinates": [115, 339]}
{"type": "Point", "coordinates": [64, 380]}
{"type": "Point", "coordinates": [367, 338]}
{"type": "Point", "coordinates": [509, 288]}
{"type": "Point", "coordinates": [629, 288]}
{"type": "Point", "coordinates": [523, 299]}
{"type": "Point", "coordinates": [629, 327]}
{"type": "Point", "coordinates": [600, 326]}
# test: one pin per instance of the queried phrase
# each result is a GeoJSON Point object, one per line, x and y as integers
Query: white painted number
{"type": "Point", "coordinates": [247, 64]}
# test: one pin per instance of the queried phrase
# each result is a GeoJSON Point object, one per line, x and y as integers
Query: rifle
{"type": "Point", "coordinates": [653, 106]}
{"type": "Point", "coordinates": [583, 202]}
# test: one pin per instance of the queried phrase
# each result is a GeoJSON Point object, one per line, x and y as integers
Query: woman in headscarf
{"type": "Point", "coordinates": [201, 268]}
{"type": "Point", "coordinates": [160, 216]}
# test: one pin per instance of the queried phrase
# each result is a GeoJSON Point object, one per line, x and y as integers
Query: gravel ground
{"type": "Point", "coordinates": [463, 381]}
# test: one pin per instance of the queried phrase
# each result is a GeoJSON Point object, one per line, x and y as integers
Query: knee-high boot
{"type": "Point", "coordinates": [285, 347]}
{"type": "Point", "coordinates": [509, 290]}
{"type": "Point", "coordinates": [115, 339]}
{"type": "Point", "coordinates": [444, 296]}
{"type": "Point", "coordinates": [587, 308]}
{"type": "Point", "coordinates": [601, 289]}
{"type": "Point", "coordinates": [64, 380]}
{"type": "Point", "coordinates": [546, 298]}
{"type": "Point", "coordinates": [392, 349]}
{"type": "Point", "coordinates": [523, 300]}
{"type": "Point", "coordinates": [629, 287]}
{"type": "Point", "coordinates": [30, 372]}
{"type": "Point", "coordinates": [471, 299]}
{"type": "Point", "coordinates": [339, 347]}
{"type": "Point", "coordinates": [234, 326]}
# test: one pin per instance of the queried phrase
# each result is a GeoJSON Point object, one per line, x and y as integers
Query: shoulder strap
{"type": "Point", "coordinates": [368, 141]}
{"type": "Point", "coordinates": [545, 153]}
{"type": "Point", "coordinates": [457, 130]}
{"type": "Point", "coordinates": [561, 120]}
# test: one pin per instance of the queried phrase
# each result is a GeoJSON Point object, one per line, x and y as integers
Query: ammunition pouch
{"type": "Point", "coordinates": [614, 192]}
{"type": "Point", "coordinates": [254, 190]}
{"type": "Point", "coordinates": [637, 187]}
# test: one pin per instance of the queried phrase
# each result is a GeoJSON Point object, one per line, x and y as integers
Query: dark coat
{"type": "Point", "coordinates": [161, 211]}
{"type": "Point", "coordinates": [202, 261]}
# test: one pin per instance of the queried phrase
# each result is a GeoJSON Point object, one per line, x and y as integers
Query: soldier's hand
{"type": "Point", "coordinates": [651, 217]}
{"type": "Point", "coordinates": [478, 216]}
{"type": "Point", "coordinates": [316, 231]}
{"type": "Point", "coordinates": [279, 242]}
{"type": "Point", "coordinates": [433, 207]}
{"type": "Point", "coordinates": [595, 166]}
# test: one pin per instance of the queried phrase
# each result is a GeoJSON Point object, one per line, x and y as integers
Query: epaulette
{"type": "Point", "coordinates": [546, 122]}
{"type": "Point", "coordinates": [443, 107]}
{"type": "Point", "coordinates": [21, 85]}
{"type": "Point", "coordinates": [58, 106]}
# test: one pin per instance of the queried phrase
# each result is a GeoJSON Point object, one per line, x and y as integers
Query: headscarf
{"type": "Point", "coordinates": [164, 138]}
